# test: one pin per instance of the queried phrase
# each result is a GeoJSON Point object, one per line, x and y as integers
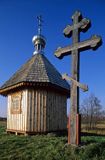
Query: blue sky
{"type": "Point", "coordinates": [18, 25]}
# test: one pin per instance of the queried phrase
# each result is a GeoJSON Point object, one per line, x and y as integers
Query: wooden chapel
{"type": "Point", "coordinates": [37, 95]}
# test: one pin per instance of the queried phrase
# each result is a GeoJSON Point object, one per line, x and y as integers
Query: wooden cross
{"type": "Point", "coordinates": [79, 24]}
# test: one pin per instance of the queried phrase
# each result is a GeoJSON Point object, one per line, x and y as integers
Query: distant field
{"type": "Point", "coordinates": [99, 130]}
{"type": "Point", "coordinates": [3, 123]}
{"type": "Point", "coordinates": [49, 147]}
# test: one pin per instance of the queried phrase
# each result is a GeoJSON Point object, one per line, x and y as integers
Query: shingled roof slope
{"type": "Point", "coordinates": [37, 69]}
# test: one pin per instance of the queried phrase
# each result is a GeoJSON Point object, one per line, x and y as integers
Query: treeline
{"type": "Point", "coordinates": [3, 119]}
{"type": "Point", "coordinates": [92, 112]}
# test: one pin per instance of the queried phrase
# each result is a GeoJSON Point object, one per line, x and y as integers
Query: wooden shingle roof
{"type": "Point", "coordinates": [36, 70]}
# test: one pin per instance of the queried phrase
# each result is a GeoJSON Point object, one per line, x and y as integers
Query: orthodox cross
{"type": "Point", "coordinates": [79, 24]}
{"type": "Point", "coordinates": [39, 24]}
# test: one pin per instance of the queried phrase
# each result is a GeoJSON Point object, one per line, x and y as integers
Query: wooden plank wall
{"type": "Point", "coordinates": [36, 111]}
{"type": "Point", "coordinates": [46, 111]}
{"type": "Point", "coordinates": [56, 112]}
{"type": "Point", "coordinates": [17, 121]}
{"type": "Point", "coordinates": [42, 111]}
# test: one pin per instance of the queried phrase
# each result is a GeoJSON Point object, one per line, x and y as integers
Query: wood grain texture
{"type": "Point", "coordinates": [42, 111]}
{"type": "Point", "coordinates": [83, 24]}
{"type": "Point", "coordinates": [17, 121]}
{"type": "Point", "coordinates": [74, 49]}
{"type": "Point", "coordinates": [90, 43]}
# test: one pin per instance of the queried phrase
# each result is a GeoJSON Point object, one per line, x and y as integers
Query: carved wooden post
{"type": "Point", "coordinates": [74, 110]}
{"type": "Point", "coordinates": [74, 49]}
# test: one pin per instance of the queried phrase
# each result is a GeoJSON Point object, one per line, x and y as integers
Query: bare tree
{"type": "Point", "coordinates": [91, 110]}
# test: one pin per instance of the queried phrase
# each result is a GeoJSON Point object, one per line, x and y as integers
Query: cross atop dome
{"type": "Point", "coordinates": [39, 40]}
{"type": "Point", "coordinates": [39, 24]}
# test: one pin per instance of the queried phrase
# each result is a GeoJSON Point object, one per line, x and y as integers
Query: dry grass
{"type": "Point", "coordinates": [99, 129]}
{"type": "Point", "coordinates": [3, 123]}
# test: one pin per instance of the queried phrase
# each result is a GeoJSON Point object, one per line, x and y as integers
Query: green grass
{"type": "Point", "coordinates": [47, 147]}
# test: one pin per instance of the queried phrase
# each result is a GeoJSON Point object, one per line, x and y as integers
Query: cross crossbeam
{"type": "Point", "coordinates": [82, 25]}
{"type": "Point", "coordinates": [82, 86]}
{"type": "Point", "coordinates": [92, 43]}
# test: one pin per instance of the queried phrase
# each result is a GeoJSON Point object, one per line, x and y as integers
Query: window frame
{"type": "Point", "coordinates": [16, 103]}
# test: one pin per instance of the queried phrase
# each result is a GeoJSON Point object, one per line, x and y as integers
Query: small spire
{"type": "Point", "coordinates": [39, 40]}
{"type": "Point", "coordinates": [39, 24]}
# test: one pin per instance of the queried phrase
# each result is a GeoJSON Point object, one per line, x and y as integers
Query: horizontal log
{"type": "Point", "coordinates": [92, 43]}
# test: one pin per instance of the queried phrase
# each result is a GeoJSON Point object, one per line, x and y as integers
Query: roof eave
{"type": "Point", "coordinates": [5, 91]}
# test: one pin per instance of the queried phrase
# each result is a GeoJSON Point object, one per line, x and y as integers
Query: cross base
{"type": "Point", "coordinates": [78, 130]}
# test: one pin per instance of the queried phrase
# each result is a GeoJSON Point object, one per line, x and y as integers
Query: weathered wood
{"type": "Point", "coordinates": [44, 110]}
{"type": "Point", "coordinates": [15, 120]}
{"type": "Point", "coordinates": [82, 86]}
{"type": "Point", "coordinates": [74, 89]}
{"type": "Point", "coordinates": [41, 104]}
{"type": "Point", "coordinates": [74, 120]}
{"type": "Point", "coordinates": [91, 43]}
{"type": "Point", "coordinates": [54, 112]}
{"type": "Point", "coordinates": [40, 112]}
{"type": "Point", "coordinates": [29, 109]}
{"type": "Point", "coordinates": [82, 24]}
{"type": "Point", "coordinates": [32, 122]}
{"type": "Point", "coordinates": [48, 113]}
{"type": "Point", "coordinates": [36, 110]}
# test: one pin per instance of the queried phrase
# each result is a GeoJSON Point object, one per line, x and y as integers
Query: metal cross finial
{"type": "Point", "coordinates": [39, 24]}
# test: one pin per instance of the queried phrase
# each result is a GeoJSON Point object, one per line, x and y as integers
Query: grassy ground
{"type": "Point", "coordinates": [49, 147]}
